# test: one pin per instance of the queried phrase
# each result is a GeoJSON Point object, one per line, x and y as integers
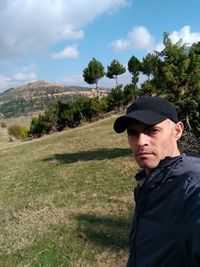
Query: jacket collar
{"type": "Point", "coordinates": [165, 165]}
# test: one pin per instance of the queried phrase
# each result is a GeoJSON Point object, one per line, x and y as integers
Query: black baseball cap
{"type": "Point", "coordinates": [149, 110]}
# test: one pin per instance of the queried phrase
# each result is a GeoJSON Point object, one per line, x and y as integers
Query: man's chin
{"type": "Point", "coordinates": [148, 165]}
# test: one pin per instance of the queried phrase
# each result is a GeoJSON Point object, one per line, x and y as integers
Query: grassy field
{"type": "Point", "coordinates": [66, 199]}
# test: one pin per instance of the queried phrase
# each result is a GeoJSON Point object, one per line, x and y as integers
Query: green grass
{"type": "Point", "coordinates": [66, 199]}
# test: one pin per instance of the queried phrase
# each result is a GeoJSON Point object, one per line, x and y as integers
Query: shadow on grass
{"type": "Point", "coordinates": [99, 154]}
{"type": "Point", "coordinates": [104, 231]}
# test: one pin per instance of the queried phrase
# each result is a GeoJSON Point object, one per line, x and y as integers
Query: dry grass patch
{"type": "Point", "coordinates": [66, 199]}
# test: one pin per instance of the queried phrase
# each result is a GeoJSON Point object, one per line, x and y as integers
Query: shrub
{"type": "Point", "coordinates": [18, 131]}
{"type": "Point", "coordinates": [115, 98]}
{"type": "Point", "coordinates": [3, 124]}
{"type": "Point", "coordinates": [39, 126]}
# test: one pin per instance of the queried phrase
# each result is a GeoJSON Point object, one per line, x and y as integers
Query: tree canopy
{"type": "Point", "coordinates": [175, 74]}
{"type": "Point", "coordinates": [134, 67]}
{"type": "Point", "coordinates": [93, 72]}
{"type": "Point", "coordinates": [115, 69]}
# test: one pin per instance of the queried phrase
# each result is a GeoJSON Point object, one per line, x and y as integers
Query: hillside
{"type": "Point", "coordinates": [66, 199]}
{"type": "Point", "coordinates": [40, 89]}
{"type": "Point", "coordinates": [36, 96]}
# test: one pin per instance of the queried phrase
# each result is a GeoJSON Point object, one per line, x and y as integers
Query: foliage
{"type": "Point", "coordinates": [60, 115]}
{"type": "Point", "coordinates": [18, 131]}
{"type": "Point", "coordinates": [39, 126]}
{"type": "Point", "coordinates": [129, 93]}
{"type": "Point", "coordinates": [134, 67]}
{"type": "Point", "coordinates": [176, 76]}
{"type": "Point", "coordinates": [3, 124]}
{"type": "Point", "coordinates": [93, 72]}
{"type": "Point", "coordinates": [115, 69]}
{"type": "Point", "coordinates": [98, 106]}
{"type": "Point", "coordinates": [115, 98]}
{"type": "Point", "coordinates": [148, 88]}
{"type": "Point", "coordinates": [150, 65]}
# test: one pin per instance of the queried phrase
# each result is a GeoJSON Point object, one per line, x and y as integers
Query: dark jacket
{"type": "Point", "coordinates": [166, 222]}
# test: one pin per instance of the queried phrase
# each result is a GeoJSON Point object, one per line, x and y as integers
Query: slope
{"type": "Point", "coordinates": [66, 199]}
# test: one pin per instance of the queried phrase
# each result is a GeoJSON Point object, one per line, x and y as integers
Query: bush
{"type": "Point", "coordinates": [18, 131]}
{"type": "Point", "coordinates": [115, 98]}
{"type": "Point", "coordinates": [39, 126]}
{"type": "Point", "coordinates": [3, 124]}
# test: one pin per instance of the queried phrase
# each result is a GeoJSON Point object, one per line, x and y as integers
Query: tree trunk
{"type": "Point", "coordinates": [97, 90]}
{"type": "Point", "coordinates": [116, 81]}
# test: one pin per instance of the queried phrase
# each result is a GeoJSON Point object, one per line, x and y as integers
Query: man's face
{"type": "Point", "coordinates": [150, 144]}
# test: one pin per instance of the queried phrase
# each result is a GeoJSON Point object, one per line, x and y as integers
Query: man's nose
{"type": "Point", "coordinates": [142, 139]}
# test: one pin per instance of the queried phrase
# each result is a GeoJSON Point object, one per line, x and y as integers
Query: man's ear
{"type": "Point", "coordinates": [179, 127]}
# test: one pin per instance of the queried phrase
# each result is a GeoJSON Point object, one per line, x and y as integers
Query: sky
{"type": "Point", "coordinates": [54, 40]}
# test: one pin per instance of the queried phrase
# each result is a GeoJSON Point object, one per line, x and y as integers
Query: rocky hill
{"type": "Point", "coordinates": [36, 96]}
{"type": "Point", "coordinates": [41, 89]}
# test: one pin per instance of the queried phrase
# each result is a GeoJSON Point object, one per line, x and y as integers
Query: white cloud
{"type": "Point", "coordinates": [159, 47]}
{"type": "Point", "coordinates": [70, 34]}
{"type": "Point", "coordinates": [21, 76]}
{"type": "Point", "coordinates": [32, 67]}
{"type": "Point", "coordinates": [3, 79]}
{"type": "Point", "coordinates": [6, 83]}
{"type": "Point", "coordinates": [184, 34]}
{"type": "Point", "coordinates": [68, 52]}
{"type": "Point", "coordinates": [74, 79]}
{"type": "Point", "coordinates": [30, 25]}
{"type": "Point", "coordinates": [25, 75]}
{"type": "Point", "coordinates": [138, 38]}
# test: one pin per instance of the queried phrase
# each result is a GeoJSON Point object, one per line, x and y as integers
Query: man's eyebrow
{"type": "Point", "coordinates": [145, 128]}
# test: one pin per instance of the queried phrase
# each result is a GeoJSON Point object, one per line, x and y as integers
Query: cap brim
{"type": "Point", "coordinates": [146, 117]}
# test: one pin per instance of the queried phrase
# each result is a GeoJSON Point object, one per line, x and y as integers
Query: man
{"type": "Point", "coordinates": [166, 223]}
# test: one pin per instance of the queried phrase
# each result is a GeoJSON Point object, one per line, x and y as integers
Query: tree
{"type": "Point", "coordinates": [115, 69]}
{"type": "Point", "coordinates": [194, 69]}
{"type": "Point", "coordinates": [149, 65]}
{"type": "Point", "coordinates": [129, 93]}
{"type": "Point", "coordinates": [115, 98]}
{"type": "Point", "coordinates": [39, 126]}
{"type": "Point", "coordinates": [176, 76]}
{"type": "Point", "coordinates": [98, 106]}
{"type": "Point", "coordinates": [83, 108]}
{"type": "Point", "coordinates": [172, 74]}
{"type": "Point", "coordinates": [134, 67]}
{"type": "Point", "coordinates": [148, 88]}
{"type": "Point", "coordinates": [94, 72]}
{"type": "Point", "coordinates": [191, 94]}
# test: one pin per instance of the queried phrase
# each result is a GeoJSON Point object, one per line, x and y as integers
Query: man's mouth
{"type": "Point", "coordinates": [143, 154]}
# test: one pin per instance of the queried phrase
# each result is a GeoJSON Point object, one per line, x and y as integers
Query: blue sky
{"type": "Point", "coordinates": [54, 40]}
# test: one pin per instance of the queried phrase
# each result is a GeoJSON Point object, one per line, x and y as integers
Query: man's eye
{"type": "Point", "coordinates": [152, 130]}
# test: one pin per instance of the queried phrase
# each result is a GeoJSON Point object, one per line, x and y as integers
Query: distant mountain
{"type": "Point", "coordinates": [36, 96]}
{"type": "Point", "coordinates": [39, 89]}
